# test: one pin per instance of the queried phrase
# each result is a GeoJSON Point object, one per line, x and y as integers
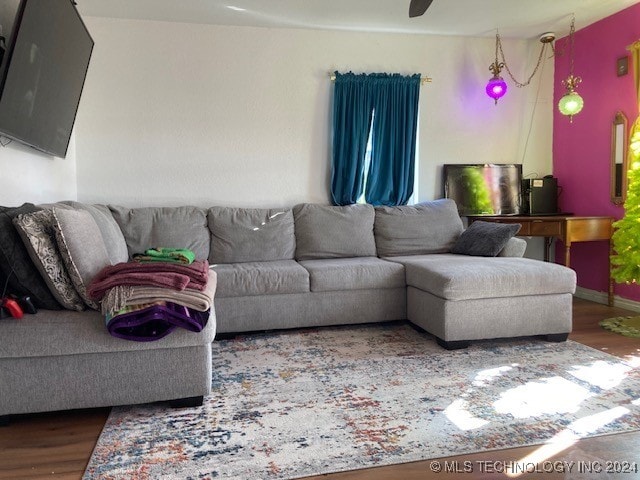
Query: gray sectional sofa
{"type": "Point", "coordinates": [312, 265]}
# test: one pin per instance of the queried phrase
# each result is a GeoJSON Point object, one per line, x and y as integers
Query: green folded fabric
{"type": "Point", "coordinates": [166, 254]}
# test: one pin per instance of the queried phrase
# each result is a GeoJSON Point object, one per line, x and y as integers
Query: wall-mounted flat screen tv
{"type": "Point", "coordinates": [8, 13]}
{"type": "Point", "coordinates": [484, 189]}
{"type": "Point", "coordinates": [46, 68]}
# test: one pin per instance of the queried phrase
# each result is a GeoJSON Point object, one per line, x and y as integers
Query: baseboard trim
{"type": "Point", "coordinates": [601, 297]}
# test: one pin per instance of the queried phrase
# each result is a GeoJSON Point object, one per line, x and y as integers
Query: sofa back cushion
{"type": "Point", "coordinates": [81, 248]}
{"type": "Point", "coordinates": [241, 235]}
{"type": "Point", "coordinates": [177, 227]}
{"type": "Point", "coordinates": [428, 227]}
{"type": "Point", "coordinates": [334, 231]}
{"type": "Point", "coordinates": [109, 230]}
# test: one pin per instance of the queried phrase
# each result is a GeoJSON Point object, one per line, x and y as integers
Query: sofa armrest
{"type": "Point", "coordinates": [515, 247]}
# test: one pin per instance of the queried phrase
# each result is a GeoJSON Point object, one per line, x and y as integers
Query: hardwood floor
{"type": "Point", "coordinates": [49, 445]}
{"type": "Point", "coordinates": [59, 444]}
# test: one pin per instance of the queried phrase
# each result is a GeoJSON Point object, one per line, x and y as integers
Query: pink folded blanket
{"type": "Point", "coordinates": [165, 275]}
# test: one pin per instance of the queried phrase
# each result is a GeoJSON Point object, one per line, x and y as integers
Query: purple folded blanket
{"type": "Point", "coordinates": [165, 275]}
{"type": "Point", "coordinates": [155, 322]}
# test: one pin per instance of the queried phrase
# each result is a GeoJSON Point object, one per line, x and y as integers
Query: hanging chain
{"type": "Point", "coordinates": [504, 61]}
{"type": "Point", "coordinates": [571, 81]}
{"type": "Point", "coordinates": [572, 31]}
{"type": "Point", "coordinates": [496, 67]}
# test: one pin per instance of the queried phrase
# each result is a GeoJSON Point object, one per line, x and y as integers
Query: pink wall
{"type": "Point", "coordinates": [582, 149]}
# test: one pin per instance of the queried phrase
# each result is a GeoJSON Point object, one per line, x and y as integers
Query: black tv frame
{"type": "Point", "coordinates": [6, 71]}
{"type": "Point", "coordinates": [10, 14]}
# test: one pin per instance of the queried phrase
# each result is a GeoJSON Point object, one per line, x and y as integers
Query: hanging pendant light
{"type": "Point", "coordinates": [571, 102]}
{"type": "Point", "coordinates": [497, 87]}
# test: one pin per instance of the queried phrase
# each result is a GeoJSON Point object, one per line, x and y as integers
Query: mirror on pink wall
{"type": "Point", "coordinates": [619, 158]}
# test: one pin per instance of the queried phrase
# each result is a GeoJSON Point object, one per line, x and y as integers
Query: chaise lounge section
{"type": "Point", "coordinates": [462, 299]}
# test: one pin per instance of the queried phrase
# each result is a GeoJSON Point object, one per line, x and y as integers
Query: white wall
{"type": "Point", "coordinates": [27, 175]}
{"type": "Point", "coordinates": [178, 113]}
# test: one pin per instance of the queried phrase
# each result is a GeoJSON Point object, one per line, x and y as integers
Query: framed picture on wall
{"type": "Point", "coordinates": [622, 66]}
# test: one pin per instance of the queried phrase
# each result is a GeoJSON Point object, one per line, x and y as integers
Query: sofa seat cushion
{"type": "Point", "coordinates": [64, 332]}
{"type": "Point", "coordinates": [361, 273]}
{"type": "Point", "coordinates": [461, 277]}
{"type": "Point", "coordinates": [260, 278]}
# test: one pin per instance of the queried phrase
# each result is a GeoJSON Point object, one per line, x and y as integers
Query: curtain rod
{"type": "Point", "coordinates": [423, 80]}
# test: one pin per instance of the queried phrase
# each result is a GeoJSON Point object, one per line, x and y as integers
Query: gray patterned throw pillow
{"type": "Point", "coordinates": [36, 231]}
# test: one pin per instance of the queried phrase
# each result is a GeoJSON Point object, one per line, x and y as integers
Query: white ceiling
{"type": "Point", "coordinates": [514, 18]}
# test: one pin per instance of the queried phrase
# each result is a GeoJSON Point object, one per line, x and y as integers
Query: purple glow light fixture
{"type": "Point", "coordinates": [496, 87]}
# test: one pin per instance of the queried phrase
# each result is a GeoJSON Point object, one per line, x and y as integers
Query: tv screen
{"type": "Point", "coordinates": [484, 189]}
{"type": "Point", "coordinates": [45, 73]}
{"type": "Point", "coordinates": [8, 13]}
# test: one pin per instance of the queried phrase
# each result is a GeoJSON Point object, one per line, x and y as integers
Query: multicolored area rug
{"type": "Point", "coordinates": [292, 404]}
{"type": "Point", "coordinates": [627, 326]}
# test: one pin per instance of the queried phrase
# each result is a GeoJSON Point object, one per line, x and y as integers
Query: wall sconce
{"type": "Point", "coordinates": [571, 103]}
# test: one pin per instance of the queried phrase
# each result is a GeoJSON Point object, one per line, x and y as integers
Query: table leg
{"type": "Point", "coordinates": [547, 246]}
{"type": "Point", "coordinates": [610, 293]}
{"type": "Point", "coordinates": [567, 255]}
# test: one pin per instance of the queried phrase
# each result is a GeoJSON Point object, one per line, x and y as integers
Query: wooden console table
{"type": "Point", "coordinates": [567, 228]}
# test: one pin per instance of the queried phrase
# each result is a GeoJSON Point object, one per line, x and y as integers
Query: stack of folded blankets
{"type": "Point", "coordinates": [160, 290]}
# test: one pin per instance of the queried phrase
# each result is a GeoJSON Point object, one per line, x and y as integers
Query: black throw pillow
{"type": "Point", "coordinates": [17, 266]}
{"type": "Point", "coordinates": [485, 239]}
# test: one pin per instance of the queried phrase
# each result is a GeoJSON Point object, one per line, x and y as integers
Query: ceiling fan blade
{"type": "Point", "coordinates": [418, 7]}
